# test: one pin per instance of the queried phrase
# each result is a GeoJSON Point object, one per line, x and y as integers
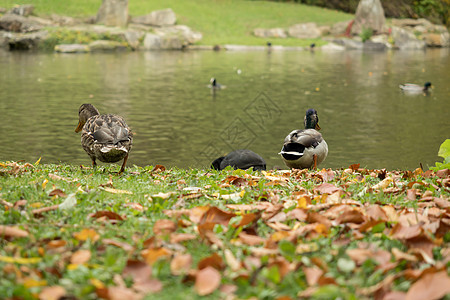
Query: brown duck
{"type": "Point", "coordinates": [104, 137]}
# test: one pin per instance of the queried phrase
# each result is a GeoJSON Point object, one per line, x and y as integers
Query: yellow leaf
{"type": "Point", "coordinates": [302, 203]}
{"type": "Point", "coordinates": [44, 184]}
{"type": "Point", "coordinates": [85, 234]}
{"type": "Point", "coordinates": [242, 193]}
{"type": "Point", "coordinates": [20, 260]}
{"type": "Point", "coordinates": [97, 283]}
{"type": "Point", "coordinates": [71, 267]}
{"type": "Point", "coordinates": [115, 191]}
{"type": "Point", "coordinates": [38, 161]}
{"type": "Point", "coordinates": [36, 205]}
{"type": "Point", "coordinates": [30, 282]}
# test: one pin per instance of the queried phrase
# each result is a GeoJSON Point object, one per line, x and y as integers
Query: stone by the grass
{"type": "Point", "coordinates": [22, 10]}
{"type": "Point", "coordinates": [133, 38]}
{"type": "Point", "coordinates": [185, 34]}
{"type": "Point", "coordinates": [106, 45]}
{"type": "Point", "coordinates": [22, 41]}
{"type": "Point", "coordinates": [404, 39]}
{"type": "Point", "coordinates": [16, 23]}
{"type": "Point", "coordinates": [113, 13]}
{"type": "Point", "coordinates": [437, 39]}
{"type": "Point", "coordinates": [72, 48]}
{"type": "Point", "coordinates": [165, 17]}
{"type": "Point", "coordinates": [270, 32]}
{"type": "Point", "coordinates": [304, 31]}
{"type": "Point", "coordinates": [369, 15]}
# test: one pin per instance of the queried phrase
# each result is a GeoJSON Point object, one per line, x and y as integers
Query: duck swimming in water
{"type": "Point", "coordinates": [104, 137]}
{"type": "Point", "coordinates": [305, 148]}
{"type": "Point", "coordinates": [415, 88]}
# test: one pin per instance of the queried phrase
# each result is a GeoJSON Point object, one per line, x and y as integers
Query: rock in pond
{"type": "Point", "coordinates": [72, 48]}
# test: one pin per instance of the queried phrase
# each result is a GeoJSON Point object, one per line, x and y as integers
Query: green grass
{"type": "Point", "coordinates": [143, 196]}
{"type": "Point", "coordinates": [221, 21]}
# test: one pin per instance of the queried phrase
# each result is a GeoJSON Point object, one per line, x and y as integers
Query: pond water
{"type": "Point", "coordinates": [177, 121]}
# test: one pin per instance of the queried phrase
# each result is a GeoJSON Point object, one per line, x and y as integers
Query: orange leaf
{"type": "Point", "coordinates": [125, 246]}
{"type": "Point", "coordinates": [153, 254]}
{"type": "Point", "coordinates": [431, 286]}
{"type": "Point", "coordinates": [216, 216]}
{"type": "Point", "coordinates": [250, 239]}
{"type": "Point", "coordinates": [85, 234]}
{"type": "Point", "coordinates": [56, 244]}
{"type": "Point", "coordinates": [141, 274]}
{"type": "Point", "coordinates": [207, 281]}
{"type": "Point", "coordinates": [214, 260]}
{"type": "Point", "coordinates": [110, 215]}
{"type": "Point", "coordinates": [247, 219]}
{"type": "Point", "coordinates": [80, 257]}
{"type": "Point", "coordinates": [12, 232]}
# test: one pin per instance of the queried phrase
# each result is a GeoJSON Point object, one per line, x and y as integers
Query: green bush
{"type": "Point", "coordinates": [444, 152]}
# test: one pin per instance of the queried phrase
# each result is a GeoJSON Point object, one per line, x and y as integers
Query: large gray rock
{"type": "Point", "coordinates": [437, 39]}
{"type": "Point", "coordinates": [24, 41]}
{"type": "Point", "coordinates": [22, 10]}
{"type": "Point", "coordinates": [113, 13]}
{"type": "Point", "coordinates": [165, 17]}
{"type": "Point", "coordinates": [64, 20]}
{"type": "Point", "coordinates": [16, 23]}
{"type": "Point", "coordinates": [369, 15]}
{"type": "Point", "coordinates": [152, 42]}
{"type": "Point", "coordinates": [133, 38]}
{"type": "Point", "coordinates": [270, 33]}
{"type": "Point", "coordinates": [304, 31]}
{"type": "Point", "coordinates": [72, 48]}
{"type": "Point", "coordinates": [105, 46]}
{"type": "Point", "coordinates": [404, 39]}
{"type": "Point", "coordinates": [185, 34]}
{"type": "Point", "coordinates": [340, 28]}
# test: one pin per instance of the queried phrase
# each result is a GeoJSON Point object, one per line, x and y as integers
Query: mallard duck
{"type": "Point", "coordinates": [104, 137]}
{"type": "Point", "coordinates": [415, 88]}
{"type": "Point", "coordinates": [305, 148]}
{"type": "Point", "coordinates": [215, 85]}
{"type": "Point", "coordinates": [240, 159]}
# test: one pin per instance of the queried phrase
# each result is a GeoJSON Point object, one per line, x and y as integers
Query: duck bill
{"type": "Point", "coordinates": [79, 127]}
{"type": "Point", "coordinates": [318, 127]}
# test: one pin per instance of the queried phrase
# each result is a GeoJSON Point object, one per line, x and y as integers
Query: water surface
{"type": "Point", "coordinates": [364, 116]}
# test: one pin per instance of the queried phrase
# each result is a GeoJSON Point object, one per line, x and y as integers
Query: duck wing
{"type": "Point", "coordinates": [307, 137]}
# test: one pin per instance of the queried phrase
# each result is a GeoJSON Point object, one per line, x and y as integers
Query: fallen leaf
{"type": "Point", "coordinates": [57, 192]}
{"type": "Point", "coordinates": [153, 254]}
{"type": "Point", "coordinates": [207, 281]}
{"type": "Point", "coordinates": [12, 232]}
{"type": "Point", "coordinates": [39, 211]}
{"type": "Point", "coordinates": [214, 260]}
{"type": "Point", "coordinates": [164, 226]}
{"type": "Point", "coordinates": [430, 286]}
{"type": "Point", "coordinates": [52, 293]}
{"type": "Point", "coordinates": [125, 246]}
{"type": "Point", "coordinates": [86, 234]}
{"type": "Point", "coordinates": [216, 216]}
{"type": "Point", "coordinates": [21, 260]}
{"type": "Point", "coordinates": [180, 264]}
{"type": "Point", "coordinates": [312, 275]}
{"type": "Point", "coordinates": [231, 260]}
{"type": "Point", "coordinates": [115, 191]}
{"type": "Point", "coordinates": [80, 257]}
{"type": "Point", "coordinates": [250, 239]}
{"type": "Point", "coordinates": [326, 188]}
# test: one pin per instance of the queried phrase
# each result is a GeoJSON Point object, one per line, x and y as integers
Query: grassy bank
{"type": "Point", "coordinates": [221, 22]}
{"type": "Point", "coordinates": [181, 234]}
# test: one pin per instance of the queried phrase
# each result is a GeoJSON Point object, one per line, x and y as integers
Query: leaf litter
{"type": "Point", "coordinates": [352, 233]}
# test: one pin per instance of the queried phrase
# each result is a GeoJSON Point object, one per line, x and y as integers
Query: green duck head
{"type": "Point", "coordinates": [311, 119]}
{"type": "Point", "coordinates": [84, 113]}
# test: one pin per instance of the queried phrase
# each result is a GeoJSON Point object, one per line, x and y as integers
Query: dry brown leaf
{"type": "Point", "coordinates": [216, 216]}
{"type": "Point", "coordinates": [114, 191]}
{"type": "Point", "coordinates": [250, 239]}
{"type": "Point", "coordinates": [164, 226]}
{"type": "Point", "coordinates": [207, 281]}
{"type": "Point", "coordinates": [57, 192]}
{"type": "Point", "coordinates": [400, 255]}
{"type": "Point", "coordinates": [80, 257]}
{"type": "Point", "coordinates": [12, 232]}
{"type": "Point", "coordinates": [247, 219]}
{"type": "Point", "coordinates": [181, 237]}
{"type": "Point", "coordinates": [39, 211]}
{"type": "Point", "coordinates": [121, 293]}
{"type": "Point", "coordinates": [394, 295]}
{"type": "Point", "coordinates": [52, 293]}
{"type": "Point", "coordinates": [326, 188]}
{"type": "Point", "coordinates": [159, 168]}
{"type": "Point", "coordinates": [136, 206]}
{"type": "Point", "coordinates": [141, 274]}
{"type": "Point", "coordinates": [350, 215]}
{"type": "Point", "coordinates": [430, 286]}
{"type": "Point", "coordinates": [106, 214]}
{"type": "Point", "coordinates": [56, 244]}
{"type": "Point", "coordinates": [406, 232]}
{"type": "Point", "coordinates": [125, 246]}
{"type": "Point", "coordinates": [181, 264]}
{"type": "Point", "coordinates": [312, 275]}
{"type": "Point", "coordinates": [375, 212]}
{"type": "Point", "coordinates": [214, 261]}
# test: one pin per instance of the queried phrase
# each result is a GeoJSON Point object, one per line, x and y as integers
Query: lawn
{"type": "Point", "coordinates": [221, 22]}
{"type": "Point", "coordinates": [159, 233]}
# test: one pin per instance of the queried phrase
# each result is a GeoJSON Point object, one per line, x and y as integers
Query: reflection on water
{"type": "Point", "coordinates": [178, 121]}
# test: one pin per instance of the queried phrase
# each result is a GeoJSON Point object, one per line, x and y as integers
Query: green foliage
{"type": "Point", "coordinates": [366, 34]}
{"type": "Point", "coordinates": [444, 152]}
{"type": "Point", "coordinates": [67, 36]}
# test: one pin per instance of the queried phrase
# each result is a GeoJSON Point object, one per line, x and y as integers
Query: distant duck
{"type": "Point", "coordinates": [312, 46]}
{"type": "Point", "coordinates": [305, 148]}
{"type": "Point", "coordinates": [215, 85]}
{"type": "Point", "coordinates": [415, 88]}
{"type": "Point", "coordinates": [240, 159]}
{"type": "Point", "coordinates": [104, 137]}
